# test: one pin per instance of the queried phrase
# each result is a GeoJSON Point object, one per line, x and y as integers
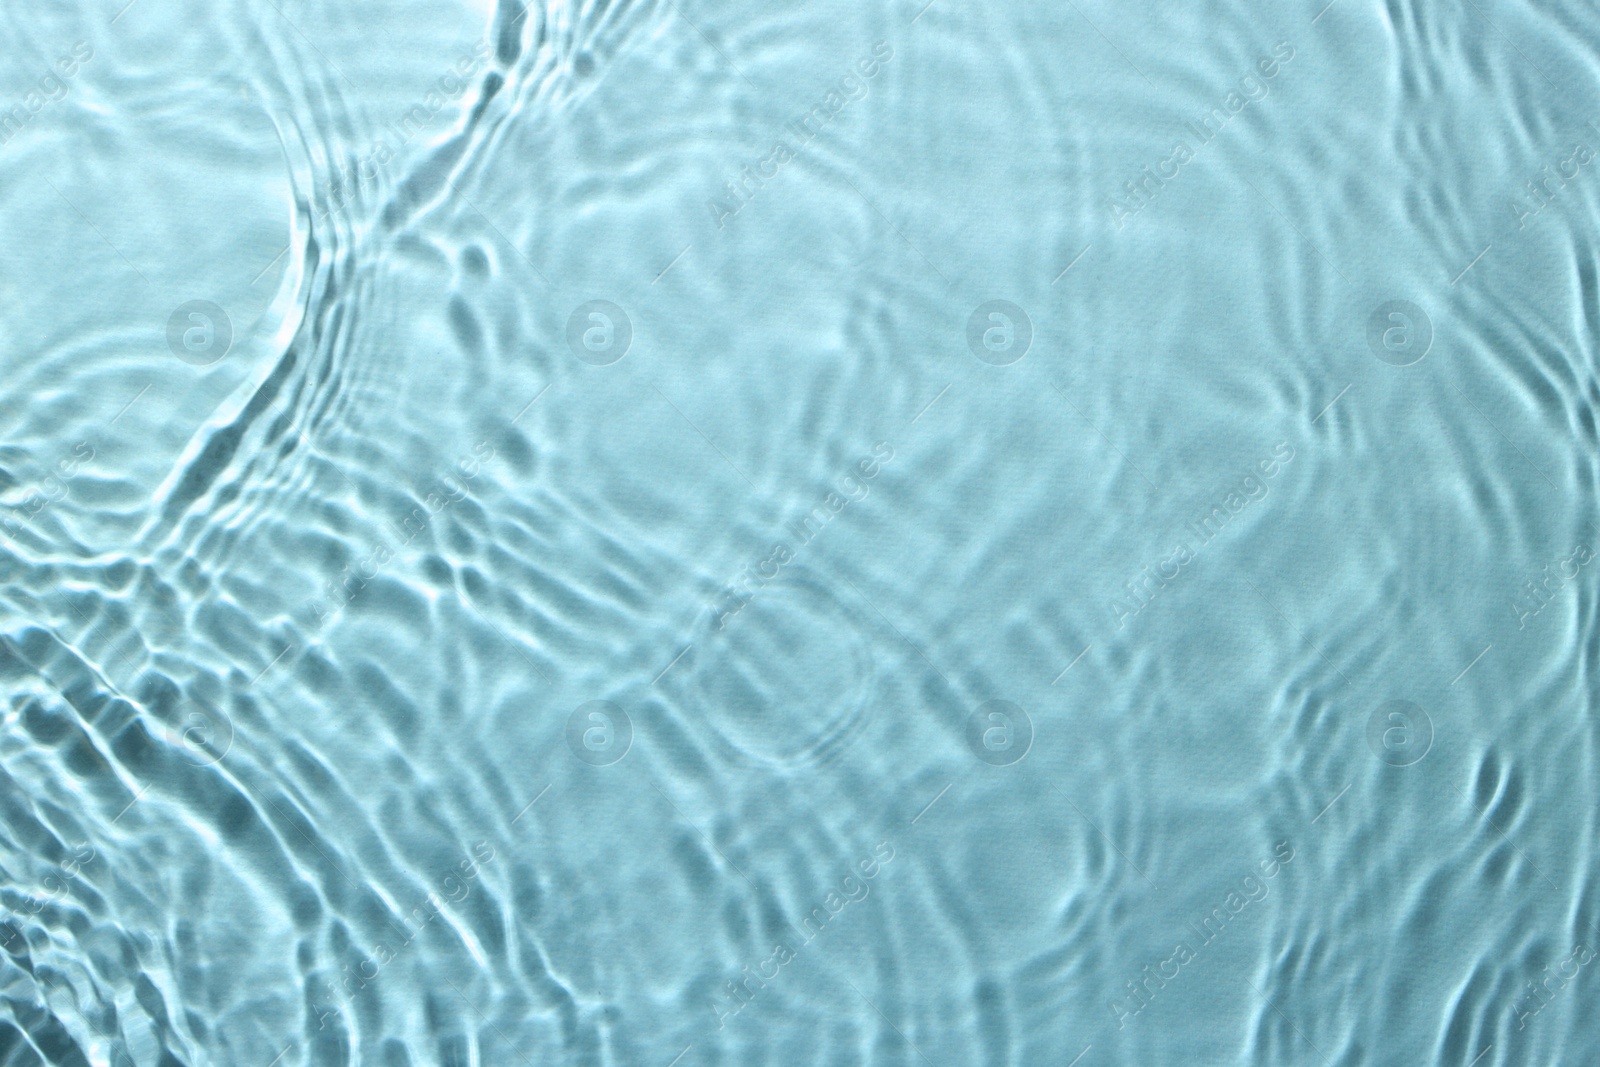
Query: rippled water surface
{"type": "Point", "coordinates": [807, 534]}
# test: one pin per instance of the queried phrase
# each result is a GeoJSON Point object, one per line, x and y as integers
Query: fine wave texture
{"type": "Point", "coordinates": [665, 533]}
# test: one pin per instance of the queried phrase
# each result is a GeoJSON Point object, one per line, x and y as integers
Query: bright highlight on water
{"type": "Point", "coordinates": [911, 534]}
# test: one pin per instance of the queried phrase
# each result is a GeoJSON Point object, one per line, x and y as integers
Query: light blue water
{"type": "Point", "coordinates": [814, 534]}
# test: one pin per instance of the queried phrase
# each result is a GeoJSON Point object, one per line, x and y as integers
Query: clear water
{"type": "Point", "coordinates": [823, 533]}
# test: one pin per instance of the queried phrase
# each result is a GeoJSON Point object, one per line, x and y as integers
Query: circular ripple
{"type": "Point", "coordinates": [794, 644]}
